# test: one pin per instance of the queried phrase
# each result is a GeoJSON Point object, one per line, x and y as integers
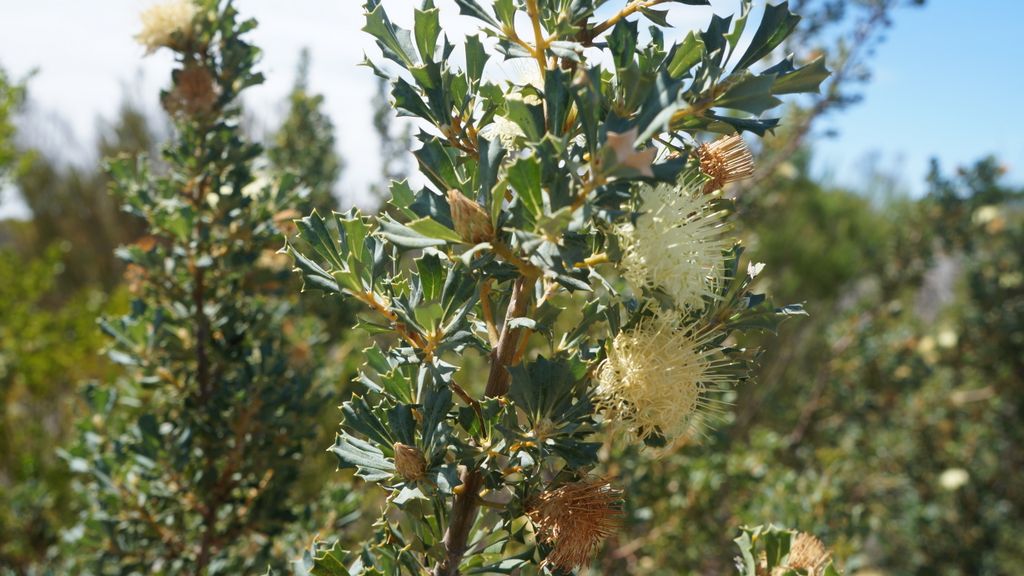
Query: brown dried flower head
{"type": "Point", "coordinates": [409, 462]}
{"type": "Point", "coordinates": [807, 553]}
{"type": "Point", "coordinates": [575, 518]}
{"type": "Point", "coordinates": [194, 92]}
{"type": "Point", "coordinates": [472, 223]}
{"type": "Point", "coordinates": [725, 160]}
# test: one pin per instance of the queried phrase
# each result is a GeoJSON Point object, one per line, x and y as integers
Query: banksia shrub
{"type": "Point", "coordinates": [190, 463]}
{"type": "Point", "coordinates": [558, 274]}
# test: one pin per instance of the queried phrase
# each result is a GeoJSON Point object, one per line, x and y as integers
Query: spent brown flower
{"type": "Point", "coordinates": [807, 553]}
{"type": "Point", "coordinates": [575, 518]}
{"type": "Point", "coordinates": [725, 160]}
{"type": "Point", "coordinates": [194, 92]}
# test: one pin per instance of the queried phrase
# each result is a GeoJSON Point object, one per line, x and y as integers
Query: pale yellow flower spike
{"type": "Point", "coordinates": [660, 378]}
{"type": "Point", "coordinates": [677, 244]}
{"type": "Point", "coordinates": [161, 22]}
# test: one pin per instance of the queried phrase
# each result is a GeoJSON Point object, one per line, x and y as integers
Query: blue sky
{"type": "Point", "coordinates": [946, 83]}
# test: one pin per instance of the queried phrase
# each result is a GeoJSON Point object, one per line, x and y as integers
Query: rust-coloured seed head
{"type": "Point", "coordinates": [472, 223]}
{"type": "Point", "coordinates": [807, 553]}
{"type": "Point", "coordinates": [409, 462]}
{"type": "Point", "coordinates": [725, 160]}
{"type": "Point", "coordinates": [575, 518]}
{"type": "Point", "coordinates": [194, 92]}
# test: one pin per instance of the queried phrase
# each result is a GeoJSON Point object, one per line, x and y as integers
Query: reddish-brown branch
{"type": "Point", "coordinates": [467, 500]}
{"type": "Point", "coordinates": [502, 355]}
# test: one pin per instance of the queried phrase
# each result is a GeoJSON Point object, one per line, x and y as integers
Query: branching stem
{"type": "Point", "coordinates": [467, 498]}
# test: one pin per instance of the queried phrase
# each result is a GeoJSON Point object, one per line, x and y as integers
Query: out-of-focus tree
{"type": "Point", "coordinates": [190, 463]}
{"type": "Point", "coordinates": [44, 353]}
{"type": "Point", "coordinates": [72, 204]}
{"type": "Point", "coordinates": [305, 144]}
{"type": "Point", "coordinates": [10, 97]}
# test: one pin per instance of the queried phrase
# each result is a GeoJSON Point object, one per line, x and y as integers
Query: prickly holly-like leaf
{"type": "Point", "coordinates": [685, 55]}
{"type": "Point", "coordinates": [402, 198]}
{"type": "Point", "coordinates": [362, 418]}
{"type": "Point", "coordinates": [329, 561]}
{"type": "Point", "coordinates": [431, 275]}
{"type": "Point", "coordinates": [395, 43]}
{"type": "Point", "coordinates": [804, 80]}
{"type": "Point", "coordinates": [437, 400]}
{"type": "Point", "coordinates": [776, 546]}
{"type": "Point", "coordinates": [474, 9]}
{"type": "Point", "coordinates": [545, 389]}
{"type": "Point", "coordinates": [748, 556]}
{"type": "Point", "coordinates": [427, 28]}
{"type": "Point", "coordinates": [366, 458]}
{"type": "Point", "coordinates": [431, 228]}
{"type": "Point", "coordinates": [491, 155]}
{"type": "Point", "coordinates": [524, 176]}
{"type": "Point", "coordinates": [404, 237]}
{"type": "Point", "coordinates": [752, 94]}
{"type": "Point", "coordinates": [777, 23]}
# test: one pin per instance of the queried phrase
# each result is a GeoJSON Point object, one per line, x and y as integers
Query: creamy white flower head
{"type": "Point", "coordinates": [677, 244]}
{"type": "Point", "coordinates": [525, 72]}
{"type": "Point", "coordinates": [659, 378]}
{"type": "Point", "coordinates": [954, 478]}
{"type": "Point", "coordinates": [258, 186]}
{"type": "Point", "coordinates": [505, 131]}
{"type": "Point", "coordinates": [753, 269]}
{"type": "Point", "coordinates": [161, 22]}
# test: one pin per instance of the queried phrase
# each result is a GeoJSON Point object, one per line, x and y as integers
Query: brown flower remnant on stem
{"type": "Point", "coordinates": [409, 462]}
{"type": "Point", "coordinates": [807, 553]}
{"type": "Point", "coordinates": [194, 92]}
{"type": "Point", "coordinates": [472, 223]}
{"type": "Point", "coordinates": [574, 518]}
{"type": "Point", "coordinates": [725, 160]}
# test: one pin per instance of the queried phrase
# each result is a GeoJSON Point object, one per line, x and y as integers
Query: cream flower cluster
{"type": "Point", "coordinates": [505, 131]}
{"type": "Point", "coordinates": [657, 378]}
{"type": "Point", "coordinates": [161, 22]}
{"type": "Point", "coordinates": [677, 244]}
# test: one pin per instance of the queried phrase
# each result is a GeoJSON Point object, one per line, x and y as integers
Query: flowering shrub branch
{"type": "Point", "coordinates": [573, 233]}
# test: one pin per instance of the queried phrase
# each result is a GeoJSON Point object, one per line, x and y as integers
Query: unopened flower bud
{"type": "Point", "coordinates": [409, 462]}
{"type": "Point", "coordinates": [725, 160]}
{"type": "Point", "coordinates": [472, 223]}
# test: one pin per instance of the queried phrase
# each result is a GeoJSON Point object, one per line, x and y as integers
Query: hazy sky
{"type": "Point", "coordinates": [947, 83]}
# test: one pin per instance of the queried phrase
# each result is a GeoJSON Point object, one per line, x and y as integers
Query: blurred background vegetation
{"type": "Point", "coordinates": [888, 422]}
